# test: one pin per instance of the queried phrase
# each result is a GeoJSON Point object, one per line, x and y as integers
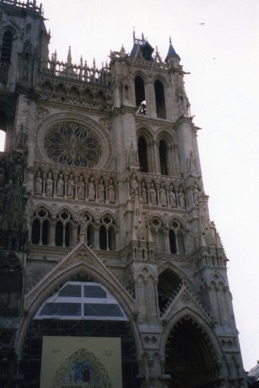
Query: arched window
{"type": "Point", "coordinates": [157, 231]}
{"type": "Point", "coordinates": [163, 155]}
{"type": "Point", "coordinates": [142, 154]}
{"type": "Point", "coordinates": [107, 240]}
{"type": "Point", "coordinates": [40, 227]}
{"type": "Point", "coordinates": [111, 238]}
{"type": "Point", "coordinates": [180, 240]}
{"type": "Point", "coordinates": [59, 234]}
{"type": "Point", "coordinates": [64, 230]}
{"type": "Point", "coordinates": [139, 90]}
{"type": "Point", "coordinates": [103, 238]}
{"type": "Point", "coordinates": [45, 232]}
{"type": "Point", "coordinates": [6, 51]}
{"type": "Point", "coordinates": [90, 235]}
{"type": "Point", "coordinates": [172, 242]}
{"type": "Point", "coordinates": [68, 234]}
{"type": "Point", "coordinates": [160, 100]}
{"type": "Point", "coordinates": [176, 238]}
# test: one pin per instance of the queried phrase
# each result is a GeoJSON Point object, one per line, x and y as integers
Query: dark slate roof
{"type": "Point", "coordinates": [144, 47]}
{"type": "Point", "coordinates": [171, 52]}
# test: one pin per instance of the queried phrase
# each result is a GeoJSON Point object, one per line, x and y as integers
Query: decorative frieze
{"type": "Point", "coordinates": [75, 184]}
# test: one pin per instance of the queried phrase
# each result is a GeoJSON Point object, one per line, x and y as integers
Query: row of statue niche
{"type": "Point", "coordinates": [75, 188]}
{"type": "Point", "coordinates": [157, 195]}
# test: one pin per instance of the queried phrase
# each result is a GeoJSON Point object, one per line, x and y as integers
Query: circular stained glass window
{"type": "Point", "coordinates": [73, 144]}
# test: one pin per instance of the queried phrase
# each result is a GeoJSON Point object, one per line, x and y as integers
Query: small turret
{"type": "Point", "coordinates": [172, 56]}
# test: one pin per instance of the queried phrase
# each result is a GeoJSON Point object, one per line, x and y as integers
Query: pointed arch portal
{"type": "Point", "coordinates": [79, 308]}
{"type": "Point", "coordinates": [190, 360]}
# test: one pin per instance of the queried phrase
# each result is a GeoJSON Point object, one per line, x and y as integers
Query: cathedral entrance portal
{"type": "Point", "coordinates": [190, 359]}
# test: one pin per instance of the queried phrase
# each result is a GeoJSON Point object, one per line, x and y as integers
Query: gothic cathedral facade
{"type": "Point", "coordinates": [111, 272]}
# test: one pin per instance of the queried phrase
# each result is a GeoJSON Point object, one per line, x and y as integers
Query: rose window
{"type": "Point", "coordinates": [73, 144]}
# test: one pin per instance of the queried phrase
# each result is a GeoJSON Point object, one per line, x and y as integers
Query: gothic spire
{"type": "Point", "coordinates": [69, 56]}
{"type": "Point", "coordinates": [171, 51]}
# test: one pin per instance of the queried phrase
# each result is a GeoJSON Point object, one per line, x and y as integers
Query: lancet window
{"type": "Point", "coordinates": [142, 154]}
{"type": "Point", "coordinates": [6, 50]}
{"type": "Point", "coordinates": [139, 91]}
{"type": "Point", "coordinates": [163, 155]}
{"type": "Point", "coordinates": [158, 234]}
{"type": "Point", "coordinates": [63, 230]}
{"type": "Point", "coordinates": [160, 99]}
{"type": "Point", "coordinates": [176, 238]}
{"type": "Point", "coordinates": [107, 239]}
{"type": "Point", "coordinates": [41, 227]}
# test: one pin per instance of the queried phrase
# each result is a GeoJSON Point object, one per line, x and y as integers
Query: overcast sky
{"type": "Point", "coordinates": [218, 42]}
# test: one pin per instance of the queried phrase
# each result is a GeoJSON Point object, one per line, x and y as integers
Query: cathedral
{"type": "Point", "coordinates": [112, 274]}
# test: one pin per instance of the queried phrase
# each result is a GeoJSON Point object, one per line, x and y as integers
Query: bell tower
{"type": "Point", "coordinates": [105, 233]}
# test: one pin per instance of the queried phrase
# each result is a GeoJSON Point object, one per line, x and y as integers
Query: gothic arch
{"type": "Point", "coordinates": [81, 260]}
{"type": "Point", "coordinates": [159, 90]}
{"type": "Point", "coordinates": [168, 284]}
{"type": "Point", "coordinates": [139, 73]}
{"type": "Point", "coordinates": [192, 350]}
{"type": "Point", "coordinates": [12, 29]}
{"type": "Point", "coordinates": [9, 27]}
{"type": "Point", "coordinates": [158, 231]}
{"type": "Point", "coordinates": [168, 265]}
{"type": "Point", "coordinates": [139, 88]}
{"type": "Point", "coordinates": [167, 153]}
{"type": "Point", "coordinates": [145, 150]}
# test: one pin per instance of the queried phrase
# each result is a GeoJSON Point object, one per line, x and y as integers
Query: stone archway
{"type": "Point", "coordinates": [72, 327]}
{"type": "Point", "coordinates": [190, 359]}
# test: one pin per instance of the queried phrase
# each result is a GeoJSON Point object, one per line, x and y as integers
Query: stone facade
{"type": "Point", "coordinates": [101, 184]}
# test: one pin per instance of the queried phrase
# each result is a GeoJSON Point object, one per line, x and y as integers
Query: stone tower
{"type": "Point", "coordinates": [111, 272]}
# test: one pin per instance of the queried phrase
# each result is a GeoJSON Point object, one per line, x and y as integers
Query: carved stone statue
{"type": "Point", "coordinates": [181, 198]}
{"type": "Point", "coordinates": [152, 194]}
{"type": "Point", "coordinates": [132, 156]}
{"type": "Point", "coordinates": [60, 185]}
{"type": "Point", "coordinates": [162, 192]}
{"type": "Point", "coordinates": [195, 193]}
{"type": "Point", "coordinates": [91, 190]}
{"type": "Point", "coordinates": [18, 171]}
{"type": "Point", "coordinates": [49, 185]}
{"type": "Point", "coordinates": [38, 183]}
{"type": "Point", "coordinates": [172, 197]}
{"type": "Point", "coordinates": [133, 186]}
{"type": "Point", "coordinates": [81, 188]}
{"type": "Point", "coordinates": [101, 191]}
{"type": "Point", "coordinates": [71, 186]}
{"type": "Point", "coordinates": [143, 192]}
{"type": "Point", "coordinates": [111, 191]}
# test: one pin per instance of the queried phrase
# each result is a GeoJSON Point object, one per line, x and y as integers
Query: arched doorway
{"type": "Point", "coordinates": [81, 307]}
{"type": "Point", "coordinates": [190, 360]}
